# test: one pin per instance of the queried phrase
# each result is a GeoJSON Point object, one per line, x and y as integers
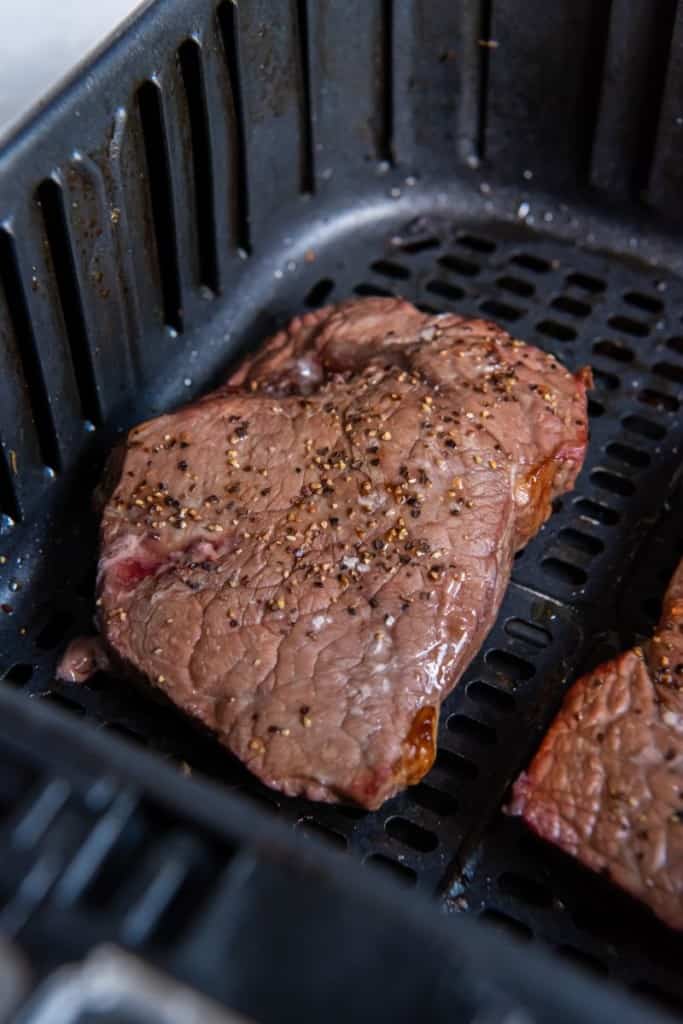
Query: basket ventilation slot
{"type": "Point", "coordinates": [190, 59]}
{"type": "Point", "coordinates": [11, 278]}
{"type": "Point", "coordinates": [50, 198]}
{"type": "Point", "coordinates": [159, 174]}
{"type": "Point", "coordinates": [227, 17]}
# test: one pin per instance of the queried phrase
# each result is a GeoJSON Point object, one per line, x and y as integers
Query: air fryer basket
{"type": "Point", "coordinates": [219, 169]}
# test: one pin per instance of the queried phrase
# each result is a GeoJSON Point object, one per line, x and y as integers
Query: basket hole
{"type": "Point", "coordinates": [516, 285]}
{"type": "Point", "coordinates": [525, 889]}
{"type": "Point", "coordinates": [421, 245]}
{"type": "Point", "coordinates": [658, 400]}
{"type": "Point", "coordinates": [670, 371]}
{"type": "Point", "coordinates": [190, 59]}
{"type": "Point", "coordinates": [595, 408]}
{"type": "Point", "coordinates": [401, 872]}
{"type": "Point", "coordinates": [373, 289]}
{"type": "Point", "coordinates": [349, 811]}
{"type": "Point", "coordinates": [652, 607]}
{"type": "Point", "coordinates": [387, 268]}
{"type": "Point", "coordinates": [648, 303]}
{"type": "Point", "coordinates": [582, 541]}
{"type": "Point", "coordinates": [506, 923]}
{"type": "Point", "coordinates": [676, 345]}
{"type": "Point", "coordinates": [319, 292]}
{"type": "Point", "coordinates": [261, 800]}
{"type": "Point", "coordinates": [554, 329]}
{"type": "Point", "coordinates": [459, 266]}
{"type": "Point", "coordinates": [122, 730]}
{"type": "Point", "coordinates": [645, 427]}
{"type": "Point", "coordinates": [582, 959]}
{"type": "Point", "coordinates": [586, 282]}
{"type": "Point", "coordinates": [597, 512]}
{"type": "Point", "coordinates": [564, 572]}
{"type": "Point", "coordinates": [19, 674]}
{"type": "Point", "coordinates": [161, 197]}
{"type": "Point", "coordinates": [446, 290]}
{"type": "Point", "coordinates": [410, 834]}
{"type": "Point", "coordinates": [630, 456]}
{"type": "Point", "coordinates": [613, 482]}
{"type": "Point", "coordinates": [434, 800]}
{"type": "Point", "coordinates": [53, 633]}
{"type": "Point", "coordinates": [529, 262]}
{"type": "Point", "coordinates": [60, 701]}
{"type": "Point", "coordinates": [471, 729]}
{"type": "Point", "coordinates": [605, 381]}
{"type": "Point", "coordinates": [574, 307]}
{"type": "Point", "coordinates": [666, 1001]}
{"type": "Point", "coordinates": [528, 633]}
{"type": "Point", "coordinates": [509, 666]}
{"type": "Point", "coordinates": [19, 321]}
{"type": "Point", "coordinates": [310, 827]}
{"type": "Point", "coordinates": [50, 197]}
{"type": "Point", "coordinates": [455, 765]}
{"type": "Point", "coordinates": [490, 696]}
{"type": "Point", "coordinates": [476, 243]}
{"type": "Point", "coordinates": [629, 326]}
{"type": "Point", "coordinates": [614, 350]}
{"type": "Point", "coordinates": [501, 309]}
{"type": "Point", "coordinates": [118, 862]}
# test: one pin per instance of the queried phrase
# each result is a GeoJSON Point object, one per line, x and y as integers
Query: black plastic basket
{"type": "Point", "coordinates": [218, 169]}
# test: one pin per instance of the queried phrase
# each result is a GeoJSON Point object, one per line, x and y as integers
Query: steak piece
{"type": "Point", "coordinates": [307, 559]}
{"type": "Point", "coordinates": [607, 782]}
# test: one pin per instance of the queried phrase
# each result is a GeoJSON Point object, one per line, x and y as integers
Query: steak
{"type": "Point", "coordinates": [607, 783]}
{"type": "Point", "coordinates": [307, 559]}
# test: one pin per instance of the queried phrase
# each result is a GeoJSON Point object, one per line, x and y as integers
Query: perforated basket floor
{"type": "Point", "coordinates": [573, 600]}
{"type": "Point", "coordinates": [222, 168]}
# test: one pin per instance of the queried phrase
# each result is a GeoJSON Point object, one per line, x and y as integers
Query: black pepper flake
{"type": "Point", "coordinates": [670, 755]}
{"type": "Point", "coordinates": [415, 513]}
{"type": "Point", "coordinates": [352, 611]}
{"type": "Point", "coordinates": [184, 444]}
{"type": "Point", "coordinates": [182, 465]}
{"type": "Point", "coordinates": [234, 623]}
{"type": "Point", "coordinates": [450, 443]}
{"type": "Point", "coordinates": [373, 602]}
{"type": "Point", "coordinates": [264, 491]}
{"type": "Point", "coordinates": [334, 521]}
{"type": "Point", "coordinates": [374, 462]}
{"type": "Point", "coordinates": [242, 430]}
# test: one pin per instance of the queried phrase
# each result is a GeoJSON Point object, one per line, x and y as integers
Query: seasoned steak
{"type": "Point", "coordinates": [607, 783]}
{"type": "Point", "coordinates": [307, 559]}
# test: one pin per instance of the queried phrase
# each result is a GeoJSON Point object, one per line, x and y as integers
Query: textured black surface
{"type": "Point", "coordinates": [218, 171]}
{"type": "Point", "coordinates": [101, 843]}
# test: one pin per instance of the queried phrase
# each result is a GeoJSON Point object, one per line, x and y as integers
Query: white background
{"type": "Point", "coordinates": [42, 40]}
